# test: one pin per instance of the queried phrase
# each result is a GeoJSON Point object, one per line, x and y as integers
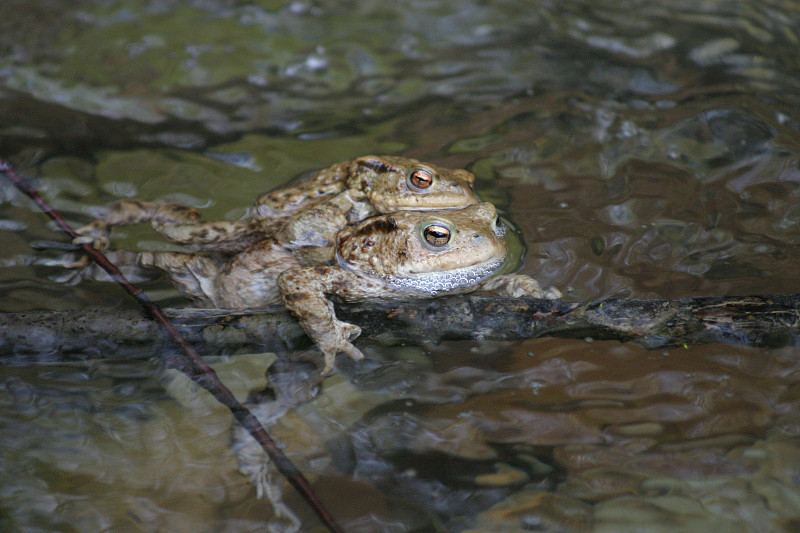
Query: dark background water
{"type": "Point", "coordinates": [645, 149]}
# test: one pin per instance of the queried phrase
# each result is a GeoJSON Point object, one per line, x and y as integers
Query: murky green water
{"type": "Point", "coordinates": [645, 149]}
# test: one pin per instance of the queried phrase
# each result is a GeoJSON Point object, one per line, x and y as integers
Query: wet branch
{"type": "Point", "coordinates": [192, 364]}
{"type": "Point", "coordinates": [90, 333]}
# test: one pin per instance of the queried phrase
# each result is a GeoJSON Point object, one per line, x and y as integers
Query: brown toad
{"type": "Point", "coordinates": [306, 215]}
{"type": "Point", "coordinates": [405, 255]}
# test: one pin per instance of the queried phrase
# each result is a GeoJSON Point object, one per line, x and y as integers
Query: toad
{"type": "Point", "coordinates": [403, 255]}
{"type": "Point", "coordinates": [306, 215]}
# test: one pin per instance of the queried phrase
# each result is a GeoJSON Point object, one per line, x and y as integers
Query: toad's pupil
{"type": "Point", "coordinates": [437, 235]}
{"type": "Point", "coordinates": [421, 179]}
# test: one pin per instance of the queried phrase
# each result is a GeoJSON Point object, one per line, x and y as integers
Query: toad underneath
{"type": "Point", "coordinates": [304, 216]}
{"type": "Point", "coordinates": [404, 255]}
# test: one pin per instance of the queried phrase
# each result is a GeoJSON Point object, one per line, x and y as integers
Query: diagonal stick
{"type": "Point", "coordinates": [198, 371]}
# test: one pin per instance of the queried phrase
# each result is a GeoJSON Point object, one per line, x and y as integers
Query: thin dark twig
{"type": "Point", "coordinates": [196, 369]}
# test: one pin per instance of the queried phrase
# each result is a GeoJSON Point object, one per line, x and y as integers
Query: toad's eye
{"type": "Point", "coordinates": [437, 235]}
{"type": "Point", "coordinates": [420, 179]}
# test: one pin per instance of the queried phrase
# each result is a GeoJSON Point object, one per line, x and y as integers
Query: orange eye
{"type": "Point", "coordinates": [437, 235]}
{"type": "Point", "coordinates": [420, 179]}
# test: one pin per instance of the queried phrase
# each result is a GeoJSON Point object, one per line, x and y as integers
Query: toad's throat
{"type": "Point", "coordinates": [436, 282]}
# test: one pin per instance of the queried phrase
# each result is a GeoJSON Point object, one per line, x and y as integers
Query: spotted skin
{"type": "Point", "coordinates": [386, 256]}
{"type": "Point", "coordinates": [307, 214]}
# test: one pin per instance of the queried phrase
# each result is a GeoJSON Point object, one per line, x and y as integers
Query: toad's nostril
{"type": "Point", "coordinates": [499, 227]}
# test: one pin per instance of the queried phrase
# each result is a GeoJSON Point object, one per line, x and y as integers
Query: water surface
{"type": "Point", "coordinates": [643, 149]}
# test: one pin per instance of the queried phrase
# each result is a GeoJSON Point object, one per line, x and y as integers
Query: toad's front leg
{"type": "Point", "coordinates": [304, 291]}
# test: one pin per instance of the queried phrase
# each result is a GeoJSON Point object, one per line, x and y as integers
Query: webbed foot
{"type": "Point", "coordinates": [98, 234]}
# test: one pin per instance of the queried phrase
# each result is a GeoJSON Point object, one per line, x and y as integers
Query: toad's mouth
{"type": "Point", "coordinates": [444, 281]}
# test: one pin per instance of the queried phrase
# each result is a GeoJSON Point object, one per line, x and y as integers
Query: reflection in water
{"type": "Point", "coordinates": [642, 150]}
{"type": "Point", "coordinates": [681, 436]}
{"type": "Point", "coordinates": [568, 434]}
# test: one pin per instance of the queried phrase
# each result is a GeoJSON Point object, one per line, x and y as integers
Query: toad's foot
{"type": "Point", "coordinates": [517, 286]}
{"type": "Point", "coordinates": [85, 269]}
{"type": "Point", "coordinates": [127, 212]}
{"type": "Point", "coordinates": [98, 234]}
{"type": "Point", "coordinates": [336, 340]}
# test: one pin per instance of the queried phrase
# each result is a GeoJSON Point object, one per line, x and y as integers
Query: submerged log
{"type": "Point", "coordinates": [104, 332]}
